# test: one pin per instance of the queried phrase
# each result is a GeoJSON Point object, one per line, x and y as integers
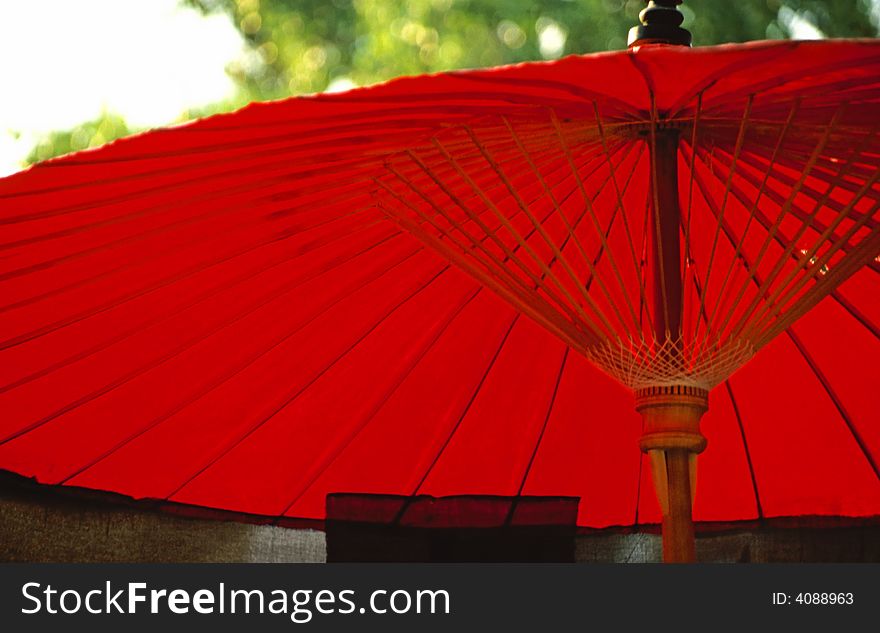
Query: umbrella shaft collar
{"type": "Point", "coordinates": [671, 416]}
{"type": "Point", "coordinates": [671, 437]}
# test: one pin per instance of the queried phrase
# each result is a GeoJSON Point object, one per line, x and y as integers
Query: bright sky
{"type": "Point", "coordinates": [63, 62]}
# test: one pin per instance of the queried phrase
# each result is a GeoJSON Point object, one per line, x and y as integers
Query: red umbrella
{"type": "Point", "coordinates": [324, 294]}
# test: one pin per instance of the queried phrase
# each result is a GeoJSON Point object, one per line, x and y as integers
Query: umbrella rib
{"type": "Point", "coordinates": [835, 399]}
{"type": "Point", "coordinates": [280, 175]}
{"type": "Point", "coordinates": [606, 233]}
{"type": "Point", "coordinates": [188, 344]}
{"type": "Point", "coordinates": [860, 255]}
{"type": "Point", "coordinates": [567, 307]}
{"type": "Point", "coordinates": [687, 229]}
{"type": "Point", "coordinates": [491, 234]}
{"type": "Point", "coordinates": [856, 313]}
{"type": "Point", "coordinates": [843, 214]}
{"type": "Point", "coordinates": [620, 205]}
{"type": "Point", "coordinates": [382, 128]}
{"type": "Point", "coordinates": [277, 409]}
{"type": "Point", "coordinates": [571, 302]}
{"type": "Point", "coordinates": [742, 433]}
{"type": "Point", "coordinates": [577, 243]}
{"type": "Point", "coordinates": [474, 241]}
{"type": "Point", "coordinates": [262, 185]}
{"type": "Point", "coordinates": [537, 315]}
{"type": "Point", "coordinates": [590, 209]}
{"type": "Point", "coordinates": [771, 234]}
{"type": "Point", "coordinates": [557, 253]}
{"type": "Point", "coordinates": [438, 176]}
{"type": "Point", "coordinates": [715, 211]}
{"type": "Point", "coordinates": [828, 173]}
{"type": "Point", "coordinates": [150, 210]}
{"type": "Point", "coordinates": [496, 282]}
{"type": "Point", "coordinates": [645, 315]}
{"type": "Point", "coordinates": [195, 300]}
{"type": "Point", "coordinates": [439, 210]}
{"type": "Point", "coordinates": [487, 232]}
{"type": "Point", "coordinates": [840, 244]}
{"type": "Point", "coordinates": [556, 388]}
{"type": "Point", "coordinates": [775, 304]}
{"type": "Point", "coordinates": [829, 91]}
{"type": "Point", "coordinates": [463, 414]}
{"type": "Point", "coordinates": [151, 255]}
{"type": "Point", "coordinates": [778, 80]}
{"type": "Point", "coordinates": [534, 312]}
{"type": "Point", "coordinates": [163, 283]}
{"type": "Point", "coordinates": [799, 213]}
{"type": "Point", "coordinates": [738, 148]}
{"type": "Point", "coordinates": [369, 416]}
{"type": "Point", "coordinates": [757, 280]}
{"type": "Point", "coordinates": [808, 192]}
{"type": "Point", "coordinates": [784, 243]}
{"type": "Point", "coordinates": [752, 211]}
{"type": "Point", "coordinates": [460, 419]}
{"type": "Point", "coordinates": [534, 454]}
{"type": "Point", "coordinates": [736, 411]}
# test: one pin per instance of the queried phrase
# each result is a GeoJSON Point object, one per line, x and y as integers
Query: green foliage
{"type": "Point", "coordinates": [303, 46]}
{"type": "Point", "coordinates": [102, 130]}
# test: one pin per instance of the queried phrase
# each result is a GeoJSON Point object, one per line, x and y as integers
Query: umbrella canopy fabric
{"type": "Point", "coordinates": [253, 311]}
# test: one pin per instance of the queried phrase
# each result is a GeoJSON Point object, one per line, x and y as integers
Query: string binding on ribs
{"type": "Point", "coordinates": [645, 364]}
{"type": "Point", "coordinates": [766, 209]}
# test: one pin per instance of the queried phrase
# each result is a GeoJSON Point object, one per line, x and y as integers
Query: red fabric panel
{"type": "Point", "coordinates": [491, 449]}
{"type": "Point", "coordinates": [724, 484]}
{"type": "Point", "coordinates": [590, 448]}
{"type": "Point", "coordinates": [805, 458]}
{"type": "Point", "coordinates": [836, 343]}
{"type": "Point", "coordinates": [421, 414]}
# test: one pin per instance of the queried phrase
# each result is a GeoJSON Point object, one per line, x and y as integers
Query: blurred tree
{"type": "Point", "coordinates": [311, 45]}
{"type": "Point", "coordinates": [302, 46]}
{"type": "Point", "coordinates": [105, 128]}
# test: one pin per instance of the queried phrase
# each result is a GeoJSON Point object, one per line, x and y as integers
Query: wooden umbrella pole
{"type": "Point", "coordinates": [671, 413]}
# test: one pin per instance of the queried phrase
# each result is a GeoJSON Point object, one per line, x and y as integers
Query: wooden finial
{"type": "Point", "coordinates": [660, 24]}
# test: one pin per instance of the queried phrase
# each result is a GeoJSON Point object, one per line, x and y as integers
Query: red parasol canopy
{"type": "Point", "coordinates": [326, 293]}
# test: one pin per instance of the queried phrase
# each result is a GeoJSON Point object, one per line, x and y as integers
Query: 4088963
{"type": "Point", "coordinates": [824, 598]}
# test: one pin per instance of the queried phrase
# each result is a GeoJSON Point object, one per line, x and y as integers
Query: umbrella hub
{"type": "Point", "coordinates": [671, 362]}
